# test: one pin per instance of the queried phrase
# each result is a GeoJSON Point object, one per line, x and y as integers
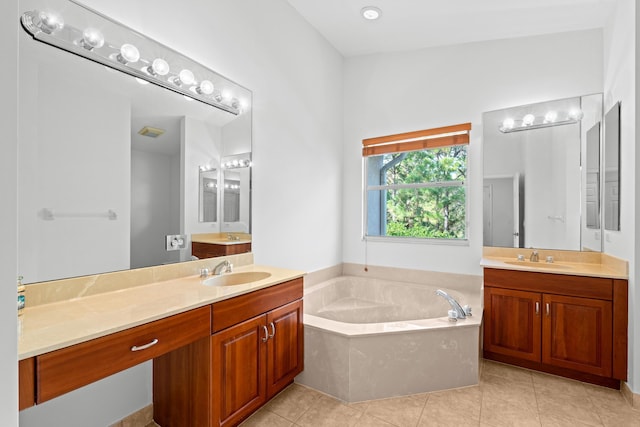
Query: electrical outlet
{"type": "Point", "coordinates": [175, 242]}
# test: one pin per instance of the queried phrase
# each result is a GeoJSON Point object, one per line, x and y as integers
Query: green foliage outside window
{"type": "Point", "coordinates": [430, 211]}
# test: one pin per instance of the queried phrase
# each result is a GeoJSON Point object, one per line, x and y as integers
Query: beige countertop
{"type": "Point", "coordinates": [56, 325]}
{"type": "Point", "coordinates": [221, 238]}
{"type": "Point", "coordinates": [573, 263]}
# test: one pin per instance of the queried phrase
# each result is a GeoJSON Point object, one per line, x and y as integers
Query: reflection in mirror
{"type": "Point", "coordinates": [592, 195]}
{"type": "Point", "coordinates": [237, 193]}
{"type": "Point", "coordinates": [208, 199]}
{"type": "Point", "coordinates": [612, 169]}
{"type": "Point", "coordinates": [532, 176]}
{"type": "Point", "coordinates": [106, 161]}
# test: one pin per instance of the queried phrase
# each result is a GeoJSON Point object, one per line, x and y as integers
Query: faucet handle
{"type": "Point", "coordinates": [204, 272]}
{"type": "Point", "coordinates": [467, 309]}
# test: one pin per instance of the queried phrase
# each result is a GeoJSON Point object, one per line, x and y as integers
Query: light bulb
{"type": "Point", "coordinates": [205, 88]}
{"type": "Point", "coordinates": [244, 104]}
{"type": "Point", "coordinates": [49, 22]}
{"type": "Point", "coordinates": [236, 163]}
{"type": "Point", "coordinates": [158, 67]}
{"type": "Point", "coordinates": [528, 119]}
{"type": "Point", "coordinates": [92, 39]}
{"type": "Point", "coordinates": [370, 13]}
{"type": "Point", "coordinates": [226, 95]}
{"type": "Point", "coordinates": [128, 53]}
{"type": "Point", "coordinates": [235, 103]}
{"type": "Point", "coordinates": [550, 117]}
{"type": "Point", "coordinates": [508, 123]}
{"type": "Point", "coordinates": [185, 77]}
{"type": "Point", "coordinates": [575, 114]}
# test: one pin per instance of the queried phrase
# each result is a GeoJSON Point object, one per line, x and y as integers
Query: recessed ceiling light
{"type": "Point", "coordinates": [371, 13]}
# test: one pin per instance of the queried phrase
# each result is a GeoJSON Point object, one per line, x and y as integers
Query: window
{"type": "Point", "coordinates": [415, 184]}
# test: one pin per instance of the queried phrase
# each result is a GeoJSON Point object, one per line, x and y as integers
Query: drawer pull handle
{"type": "Point", "coordinates": [146, 346]}
{"type": "Point", "coordinates": [273, 330]}
{"type": "Point", "coordinates": [548, 311]}
{"type": "Point", "coordinates": [266, 334]}
{"type": "Point", "coordinates": [537, 308]}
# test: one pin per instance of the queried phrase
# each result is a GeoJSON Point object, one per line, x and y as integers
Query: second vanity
{"type": "Point", "coordinates": [219, 352]}
{"type": "Point", "coordinates": [568, 317]}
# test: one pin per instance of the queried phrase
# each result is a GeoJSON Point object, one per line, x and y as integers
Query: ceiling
{"type": "Point", "coordinates": [416, 24]}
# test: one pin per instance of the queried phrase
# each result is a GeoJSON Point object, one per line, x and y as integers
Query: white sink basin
{"type": "Point", "coordinates": [233, 279]}
{"type": "Point", "coordinates": [538, 264]}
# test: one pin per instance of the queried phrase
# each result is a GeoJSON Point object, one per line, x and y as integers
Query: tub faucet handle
{"type": "Point", "coordinates": [467, 309]}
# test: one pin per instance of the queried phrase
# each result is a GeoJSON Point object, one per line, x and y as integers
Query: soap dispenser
{"type": "Point", "coordinates": [21, 297]}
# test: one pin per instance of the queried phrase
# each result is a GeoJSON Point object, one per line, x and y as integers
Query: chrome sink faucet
{"type": "Point", "coordinates": [224, 267]}
{"type": "Point", "coordinates": [534, 257]}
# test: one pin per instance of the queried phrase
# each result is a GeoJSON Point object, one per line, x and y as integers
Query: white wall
{"type": "Point", "coordinates": [400, 92]}
{"type": "Point", "coordinates": [8, 214]}
{"type": "Point", "coordinates": [296, 79]}
{"type": "Point", "coordinates": [155, 211]}
{"type": "Point", "coordinates": [50, 176]}
{"type": "Point", "coordinates": [620, 57]}
{"type": "Point", "coordinates": [200, 146]}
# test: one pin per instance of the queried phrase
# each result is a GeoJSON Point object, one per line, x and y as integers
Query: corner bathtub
{"type": "Point", "coordinates": [371, 339]}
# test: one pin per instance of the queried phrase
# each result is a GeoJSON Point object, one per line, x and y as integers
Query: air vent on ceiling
{"type": "Point", "coordinates": [151, 132]}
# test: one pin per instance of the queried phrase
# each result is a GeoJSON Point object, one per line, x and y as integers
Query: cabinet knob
{"type": "Point", "coordinates": [537, 308]}
{"type": "Point", "coordinates": [548, 310]}
{"type": "Point", "coordinates": [266, 334]}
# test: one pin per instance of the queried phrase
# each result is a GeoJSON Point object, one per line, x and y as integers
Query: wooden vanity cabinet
{"type": "Point", "coordinates": [212, 250]}
{"type": "Point", "coordinates": [256, 358]}
{"type": "Point", "coordinates": [566, 325]}
{"type": "Point", "coordinates": [26, 383]}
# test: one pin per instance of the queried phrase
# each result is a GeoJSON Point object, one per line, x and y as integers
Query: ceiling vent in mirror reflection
{"type": "Point", "coordinates": [121, 48]}
{"type": "Point", "coordinates": [151, 132]}
{"type": "Point", "coordinates": [551, 118]}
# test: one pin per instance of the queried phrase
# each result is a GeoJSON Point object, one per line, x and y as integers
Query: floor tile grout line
{"type": "Point", "coordinates": [422, 410]}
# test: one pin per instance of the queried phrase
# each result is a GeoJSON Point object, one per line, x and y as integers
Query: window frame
{"type": "Point", "coordinates": [397, 143]}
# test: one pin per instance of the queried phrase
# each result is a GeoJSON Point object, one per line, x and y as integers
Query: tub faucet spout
{"type": "Point", "coordinates": [460, 314]}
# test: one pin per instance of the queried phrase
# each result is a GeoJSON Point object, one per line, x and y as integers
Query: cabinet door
{"type": "Point", "coordinates": [239, 372]}
{"type": "Point", "coordinates": [577, 334]}
{"type": "Point", "coordinates": [512, 323]}
{"type": "Point", "coordinates": [285, 346]}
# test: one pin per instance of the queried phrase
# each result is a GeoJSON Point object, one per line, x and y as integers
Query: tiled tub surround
{"type": "Point", "coordinates": [368, 338]}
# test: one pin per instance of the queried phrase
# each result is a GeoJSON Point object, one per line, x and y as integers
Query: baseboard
{"type": "Point", "coordinates": [141, 418]}
{"type": "Point", "coordinates": [632, 398]}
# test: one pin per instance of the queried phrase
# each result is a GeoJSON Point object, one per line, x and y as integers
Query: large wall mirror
{"type": "Point", "coordinates": [541, 179]}
{"type": "Point", "coordinates": [110, 164]}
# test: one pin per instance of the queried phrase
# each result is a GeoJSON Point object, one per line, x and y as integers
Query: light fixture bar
{"type": "Point", "coordinates": [522, 127]}
{"type": "Point", "coordinates": [74, 40]}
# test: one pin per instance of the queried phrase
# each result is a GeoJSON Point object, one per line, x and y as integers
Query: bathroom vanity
{"type": "Point", "coordinates": [208, 245]}
{"type": "Point", "coordinates": [219, 352]}
{"type": "Point", "coordinates": [564, 318]}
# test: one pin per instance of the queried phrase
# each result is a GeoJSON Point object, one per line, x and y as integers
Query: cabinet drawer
{"type": "Point", "coordinates": [235, 310]}
{"type": "Point", "coordinates": [562, 284]}
{"type": "Point", "coordinates": [69, 368]}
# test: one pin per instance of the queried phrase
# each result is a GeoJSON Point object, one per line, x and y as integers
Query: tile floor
{"type": "Point", "coordinates": [506, 396]}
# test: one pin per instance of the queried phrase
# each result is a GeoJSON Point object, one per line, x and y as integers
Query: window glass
{"type": "Point", "coordinates": [418, 194]}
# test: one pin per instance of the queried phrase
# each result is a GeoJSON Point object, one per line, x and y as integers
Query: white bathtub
{"type": "Point", "coordinates": [371, 339]}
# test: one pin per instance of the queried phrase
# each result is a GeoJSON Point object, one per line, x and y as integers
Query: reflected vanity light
{"type": "Point", "coordinates": [551, 118]}
{"type": "Point", "coordinates": [49, 27]}
{"type": "Point", "coordinates": [236, 163]}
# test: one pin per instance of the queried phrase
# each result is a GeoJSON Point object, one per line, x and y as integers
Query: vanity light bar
{"type": "Point", "coordinates": [90, 43]}
{"type": "Point", "coordinates": [529, 121]}
{"type": "Point", "coordinates": [234, 164]}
